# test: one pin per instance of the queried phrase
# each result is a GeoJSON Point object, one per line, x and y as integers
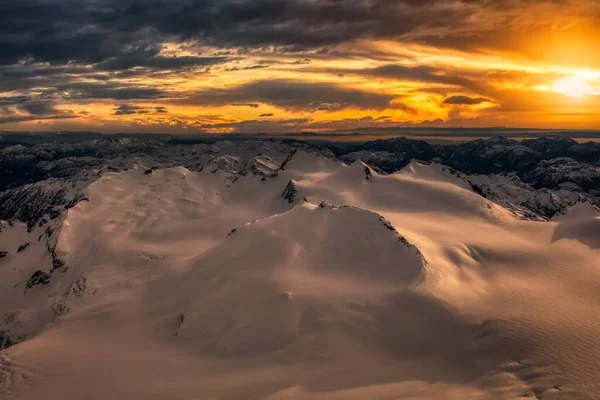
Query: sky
{"type": "Point", "coordinates": [280, 66]}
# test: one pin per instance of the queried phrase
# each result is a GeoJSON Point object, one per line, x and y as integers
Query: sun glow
{"type": "Point", "coordinates": [578, 85]}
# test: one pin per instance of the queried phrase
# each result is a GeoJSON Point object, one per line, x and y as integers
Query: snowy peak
{"type": "Point", "coordinates": [523, 200]}
{"type": "Point", "coordinates": [507, 190]}
{"type": "Point", "coordinates": [318, 259]}
{"type": "Point", "coordinates": [199, 265]}
{"type": "Point", "coordinates": [553, 162]}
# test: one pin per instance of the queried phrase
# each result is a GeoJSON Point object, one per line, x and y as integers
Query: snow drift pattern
{"type": "Point", "coordinates": [290, 275]}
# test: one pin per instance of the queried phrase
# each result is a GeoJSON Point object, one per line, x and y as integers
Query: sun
{"type": "Point", "coordinates": [577, 85]}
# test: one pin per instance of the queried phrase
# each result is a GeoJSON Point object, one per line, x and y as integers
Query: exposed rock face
{"type": "Point", "coordinates": [287, 160]}
{"type": "Point", "coordinates": [401, 238]}
{"type": "Point", "coordinates": [325, 204]}
{"type": "Point", "coordinates": [23, 247]}
{"type": "Point", "coordinates": [368, 173]}
{"type": "Point", "coordinates": [9, 334]}
{"type": "Point", "coordinates": [38, 278]}
{"type": "Point", "coordinates": [523, 199]}
{"type": "Point", "coordinates": [79, 287]}
{"type": "Point", "coordinates": [8, 340]}
{"type": "Point", "coordinates": [149, 171]}
{"type": "Point", "coordinates": [387, 224]}
{"type": "Point", "coordinates": [290, 193]}
{"type": "Point", "coordinates": [35, 204]}
{"type": "Point", "coordinates": [565, 173]}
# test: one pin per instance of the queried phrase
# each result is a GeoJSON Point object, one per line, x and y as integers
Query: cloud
{"type": "Point", "coordinates": [23, 109]}
{"type": "Point", "coordinates": [96, 31]}
{"type": "Point", "coordinates": [12, 100]}
{"type": "Point", "coordinates": [162, 63]}
{"type": "Point", "coordinates": [26, 118]}
{"type": "Point", "coordinates": [108, 90]}
{"type": "Point", "coordinates": [258, 126]}
{"type": "Point", "coordinates": [131, 109]}
{"type": "Point", "coordinates": [421, 73]}
{"type": "Point", "coordinates": [57, 52]}
{"type": "Point", "coordinates": [380, 125]}
{"type": "Point", "coordinates": [247, 68]}
{"type": "Point", "coordinates": [465, 100]}
{"type": "Point", "coordinates": [440, 78]}
{"type": "Point", "coordinates": [292, 95]}
{"type": "Point", "coordinates": [39, 108]}
{"type": "Point", "coordinates": [251, 105]}
{"type": "Point", "coordinates": [267, 115]}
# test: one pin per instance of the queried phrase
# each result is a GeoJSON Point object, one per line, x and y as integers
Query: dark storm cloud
{"type": "Point", "coordinates": [126, 109]}
{"type": "Point", "coordinates": [121, 37]}
{"type": "Point", "coordinates": [434, 77]}
{"type": "Point", "coordinates": [131, 31]}
{"type": "Point", "coordinates": [25, 118]}
{"type": "Point", "coordinates": [22, 109]}
{"type": "Point", "coordinates": [39, 96]}
{"type": "Point", "coordinates": [465, 100]}
{"type": "Point", "coordinates": [420, 73]}
{"type": "Point", "coordinates": [298, 96]}
{"type": "Point", "coordinates": [23, 78]}
{"type": "Point", "coordinates": [60, 51]}
{"type": "Point", "coordinates": [108, 90]}
{"type": "Point", "coordinates": [13, 100]}
{"type": "Point", "coordinates": [28, 71]}
{"type": "Point", "coordinates": [71, 83]}
{"type": "Point", "coordinates": [25, 108]}
{"type": "Point", "coordinates": [168, 63]}
{"type": "Point", "coordinates": [39, 108]}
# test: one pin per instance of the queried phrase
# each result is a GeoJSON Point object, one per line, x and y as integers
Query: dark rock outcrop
{"type": "Point", "coordinates": [23, 246]}
{"type": "Point", "coordinates": [368, 173]}
{"type": "Point", "coordinates": [290, 192]}
{"type": "Point", "coordinates": [8, 340]}
{"type": "Point", "coordinates": [38, 278]}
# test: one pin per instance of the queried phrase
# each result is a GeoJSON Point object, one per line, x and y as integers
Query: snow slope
{"type": "Point", "coordinates": [353, 285]}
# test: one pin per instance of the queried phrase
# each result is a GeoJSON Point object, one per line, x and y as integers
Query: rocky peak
{"type": "Point", "coordinates": [290, 192]}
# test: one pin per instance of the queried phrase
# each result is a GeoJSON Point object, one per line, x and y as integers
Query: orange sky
{"type": "Point", "coordinates": [465, 63]}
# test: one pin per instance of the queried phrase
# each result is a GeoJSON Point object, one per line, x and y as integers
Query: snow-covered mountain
{"type": "Point", "coordinates": [135, 268]}
{"type": "Point", "coordinates": [551, 162]}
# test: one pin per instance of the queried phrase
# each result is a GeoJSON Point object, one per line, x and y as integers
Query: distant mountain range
{"type": "Point", "coordinates": [567, 161]}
